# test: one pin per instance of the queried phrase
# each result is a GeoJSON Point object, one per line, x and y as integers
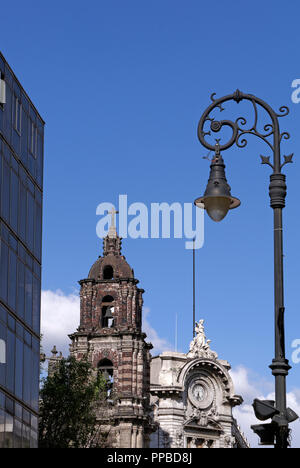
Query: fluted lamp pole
{"type": "Point", "coordinates": [217, 201]}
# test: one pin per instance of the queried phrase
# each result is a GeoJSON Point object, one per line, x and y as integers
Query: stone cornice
{"type": "Point", "coordinates": [109, 281]}
{"type": "Point", "coordinates": [170, 390]}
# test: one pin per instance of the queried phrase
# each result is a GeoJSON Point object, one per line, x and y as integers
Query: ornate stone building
{"type": "Point", "coordinates": [193, 397]}
{"type": "Point", "coordinates": [110, 334]}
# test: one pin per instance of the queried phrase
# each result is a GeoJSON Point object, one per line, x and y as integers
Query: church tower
{"type": "Point", "coordinates": [110, 334]}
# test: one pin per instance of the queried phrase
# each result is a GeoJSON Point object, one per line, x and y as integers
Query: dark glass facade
{"type": "Point", "coordinates": [21, 193]}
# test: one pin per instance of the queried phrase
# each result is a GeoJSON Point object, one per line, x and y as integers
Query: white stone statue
{"type": "Point", "coordinates": [229, 441]}
{"type": "Point", "coordinates": [178, 439]}
{"type": "Point", "coordinates": [196, 414]}
{"type": "Point", "coordinates": [193, 443]}
{"type": "Point", "coordinates": [200, 346]}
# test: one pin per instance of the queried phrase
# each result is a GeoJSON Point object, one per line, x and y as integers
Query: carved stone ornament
{"type": "Point", "coordinates": [178, 439]}
{"type": "Point", "coordinates": [229, 441]}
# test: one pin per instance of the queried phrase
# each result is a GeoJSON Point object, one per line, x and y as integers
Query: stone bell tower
{"type": "Point", "coordinates": [110, 334]}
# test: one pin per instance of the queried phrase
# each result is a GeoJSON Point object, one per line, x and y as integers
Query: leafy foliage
{"type": "Point", "coordinates": [69, 400]}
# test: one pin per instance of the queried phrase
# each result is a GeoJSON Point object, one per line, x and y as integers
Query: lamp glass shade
{"type": "Point", "coordinates": [217, 207]}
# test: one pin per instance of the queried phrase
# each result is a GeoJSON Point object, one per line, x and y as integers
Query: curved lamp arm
{"type": "Point", "coordinates": [239, 129]}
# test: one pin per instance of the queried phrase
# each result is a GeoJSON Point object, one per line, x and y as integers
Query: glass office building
{"type": "Point", "coordinates": [21, 189]}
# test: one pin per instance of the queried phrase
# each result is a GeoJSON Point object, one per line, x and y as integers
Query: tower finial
{"type": "Point", "coordinates": [112, 242]}
{"type": "Point", "coordinates": [112, 233]}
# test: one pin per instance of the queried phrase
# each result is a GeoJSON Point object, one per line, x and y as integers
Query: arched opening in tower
{"type": "Point", "coordinates": [108, 272]}
{"type": "Point", "coordinates": [107, 315]}
{"type": "Point", "coordinates": [106, 369]}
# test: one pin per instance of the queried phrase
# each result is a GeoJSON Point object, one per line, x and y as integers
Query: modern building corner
{"type": "Point", "coordinates": [21, 195]}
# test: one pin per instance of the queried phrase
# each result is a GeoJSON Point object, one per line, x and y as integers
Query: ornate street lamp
{"type": "Point", "coordinates": [217, 201]}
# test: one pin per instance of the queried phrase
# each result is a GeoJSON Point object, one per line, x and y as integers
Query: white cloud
{"type": "Point", "coordinates": [250, 386]}
{"type": "Point", "coordinates": [159, 344]}
{"type": "Point", "coordinates": [243, 387]}
{"type": "Point", "coordinates": [293, 401]}
{"type": "Point", "coordinates": [60, 315]}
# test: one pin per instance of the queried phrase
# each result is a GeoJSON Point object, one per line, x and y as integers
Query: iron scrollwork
{"type": "Point", "coordinates": [240, 130]}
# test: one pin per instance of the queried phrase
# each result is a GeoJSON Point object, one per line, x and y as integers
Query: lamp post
{"type": "Point", "coordinates": [217, 201]}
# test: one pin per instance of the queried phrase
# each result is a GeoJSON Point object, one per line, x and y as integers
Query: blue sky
{"type": "Point", "coordinates": [122, 86]}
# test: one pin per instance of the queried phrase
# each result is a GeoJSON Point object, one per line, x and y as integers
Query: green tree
{"type": "Point", "coordinates": [69, 399]}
